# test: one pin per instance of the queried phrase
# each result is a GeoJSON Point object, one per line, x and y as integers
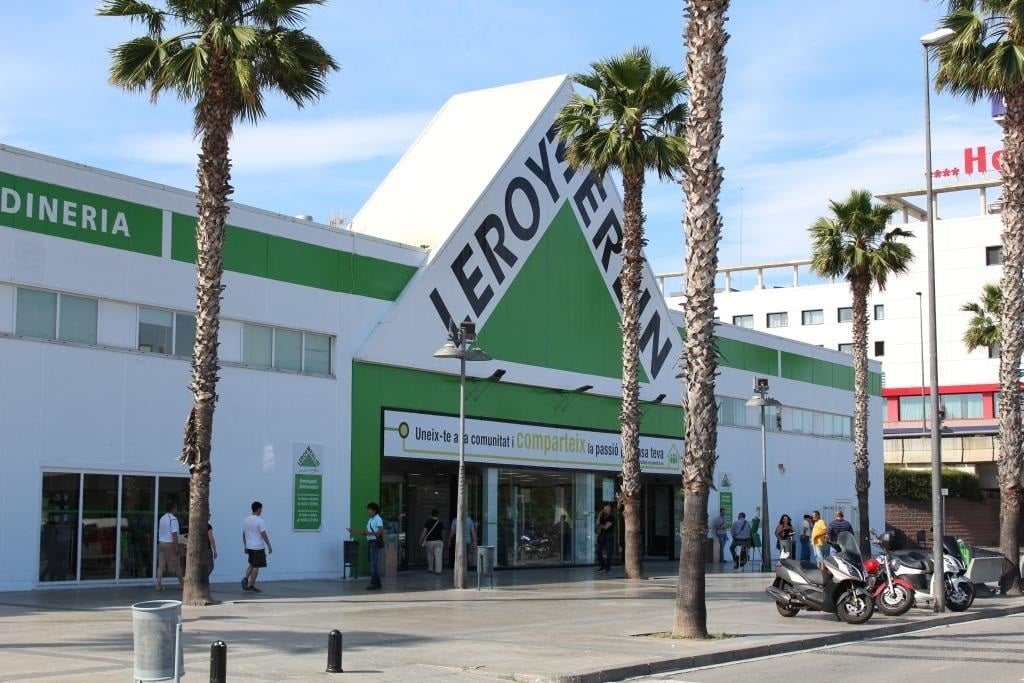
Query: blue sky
{"type": "Point", "coordinates": [816, 102]}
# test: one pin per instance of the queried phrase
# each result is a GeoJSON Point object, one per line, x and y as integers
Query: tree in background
{"type": "Point", "coordinates": [986, 59]}
{"type": "Point", "coordinates": [223, 57]}
{"type": "Point", "coordinates": [705, 37]}
{"type": "Point", "coordinates": [984, 326]}
{"type": "Point", "coordinates": [856, 242]}
{"type": "Point", "coordinates": [631, 121]}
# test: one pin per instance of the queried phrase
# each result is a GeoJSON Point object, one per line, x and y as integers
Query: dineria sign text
{"type": "Point", "coordinates": [436, 437]}
{"type": "Point", "coordinates": [65, 212]}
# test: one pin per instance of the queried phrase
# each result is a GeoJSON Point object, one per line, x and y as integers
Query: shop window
{"type": "Point", "coordinates": [287, 350]}
{"type": "Point", "coordinates": [184, 334]}
{"type": "Point", "coordinates": [879, 311]}
{"type": "Point", "coordinates": [813, 317]}
{"type": "Point", "coordinates": [317, 353]}
{"type": "Point", "coordinates": [283, 349]}
{"type": "Point", "coordinates": [778, 320]}
{"type": "Point", "coordinates": [166, 332]}
{"type": "Point", "coordinates": [743, 321]}
{"type": "Point", "coordinates": [257, 345]}
{"type": "Point", "coordinates": [845, 315]}
{"type": "Point", "coordinates": [53, 316]}
{"type": "Point", "coordinates": [879, 349]}
{"type": "Point", "coordinates": [994, 255]}
{"type": "Point", "coordinates": [846, 348]}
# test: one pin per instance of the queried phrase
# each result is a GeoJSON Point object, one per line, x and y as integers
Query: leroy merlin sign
{"type": "Point", "coordinates": [436, 437]}
{"type": "Point", "coordinates": [308, 487]}
{"type": "Point", "coordinates": [68, 213]}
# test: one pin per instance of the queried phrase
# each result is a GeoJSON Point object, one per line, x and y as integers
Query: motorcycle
{"type": "Point", "coordinates": [893, 595]}
{"type": "Point", "coordinates": [534, 544]}
{"type": "Point", "coordinates": [917, 568]}
{"type": "Point", "coordinates": [839, 588]}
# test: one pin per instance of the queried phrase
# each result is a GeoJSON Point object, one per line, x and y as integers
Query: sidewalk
{"type": "Point", "coordinates": [537, 625]}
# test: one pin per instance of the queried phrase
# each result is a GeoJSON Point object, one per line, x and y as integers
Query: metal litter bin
{"type": "Point", "coordinates": [486, 558]}
{"type": "Point", "coordinates": [156, 636]}
{"type": "Point", "coordinates": [350, 559]}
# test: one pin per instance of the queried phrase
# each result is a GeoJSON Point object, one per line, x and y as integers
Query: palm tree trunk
{"type": "Point", "coordinates": [705, 39]}
{"type": "Point", "coordinates": [860, 290]}
{"type": "Point", "coordinates": [1010, 457]}
{"type": "Point", "coordinates": [214, 118]}
{"type": "Point", "coordinates": [629, 280]}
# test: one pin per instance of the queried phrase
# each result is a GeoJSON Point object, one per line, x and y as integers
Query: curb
{"type": "Point", "coordinates": [753, 652]}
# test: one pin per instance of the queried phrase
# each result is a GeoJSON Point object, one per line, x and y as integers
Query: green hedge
{"type": "Point", "coordinates": [917, 484]}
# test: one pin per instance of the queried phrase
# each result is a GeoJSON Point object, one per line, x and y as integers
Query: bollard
{"type": "Point", "coordinates": [334, 652]}
{"type": "Point", "coordinates": [218, 662]}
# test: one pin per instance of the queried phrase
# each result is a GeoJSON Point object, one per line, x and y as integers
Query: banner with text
{"type": "Point", "coordinates": [436, 437]}
{"type": "Point", "coordinates": [308, 487]}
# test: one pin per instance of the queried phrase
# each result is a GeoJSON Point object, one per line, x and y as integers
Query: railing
{"type": "Point", "coordinates": [730, 271]}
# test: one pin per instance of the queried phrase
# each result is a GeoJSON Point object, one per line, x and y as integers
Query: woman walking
{"type": "Point", "coordinates": [784, 534]}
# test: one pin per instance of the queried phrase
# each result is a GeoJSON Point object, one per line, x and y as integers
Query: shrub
{"type": "Point", "coordinates": [917, 484]}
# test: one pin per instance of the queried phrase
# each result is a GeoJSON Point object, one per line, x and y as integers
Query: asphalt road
{"type": "Point", "coordinates": [989, 651]}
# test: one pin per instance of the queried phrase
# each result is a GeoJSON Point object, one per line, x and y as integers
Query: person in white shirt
{"type": "Point", "coordinates": [374, 542]}
{"type": "Point", "coordinates": [167, 546]}
{"type": "Point", "coordinates": [256, 541]}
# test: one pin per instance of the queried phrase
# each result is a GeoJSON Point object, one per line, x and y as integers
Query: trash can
{"type": "Point", "coordinates": [350, 559]}
{"type": "Point", "coordinates": [486, 558]}
{"type": "Point", "coordinates": [709, 550]}
{"type": "Point", "coordinates": [155, 636]}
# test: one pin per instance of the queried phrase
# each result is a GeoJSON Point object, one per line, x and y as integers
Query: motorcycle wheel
{"type": "Point", "coordinates": [543, 550]}
{"type": "Point", "coordinates": [897, 604]}
{"type": "Point", "coordinates": [855, 609]}
{"type": "Point", "coordinates": [787, 611]}
{"type": "Point", "coordinates": [960, 604]}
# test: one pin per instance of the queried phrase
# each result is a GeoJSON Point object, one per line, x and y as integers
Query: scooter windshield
{"type": "Point", "coordinates": [848, 547]}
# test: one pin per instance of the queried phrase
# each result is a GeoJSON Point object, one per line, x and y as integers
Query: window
{"type": "Point", "coordinates": [879, 349]}
{"type": "Point", "coordinates": [166, 332]}
{"type": "Point", "coordinates": [275, 347]}
{"type": "Point", "coordinates": [962, 406]}
{"type": "Point", "coordinates": [743, 321]}
{"type": "Point", "coordinates": [879, 311]}
{"type": "Point", "coordinates": [778, 320]}
{"type": "Point", "coordinates": [49, 315]}
{"type": "Point", "coordinates": [814, 317]}
{"type": "Point", "coordinates": [993, 256]}
{"type": "Point", "coordinates": [914, 407]}
{"type": "Point", "coordinates": [994, 350]}
{"type": "Point", "coordinates": [845, 315]}
{"type": "Point", "coordinates": [846, 348]}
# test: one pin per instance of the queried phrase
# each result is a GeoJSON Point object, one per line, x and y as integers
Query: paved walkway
{"type": "Point", "coordinates": [537, 625]}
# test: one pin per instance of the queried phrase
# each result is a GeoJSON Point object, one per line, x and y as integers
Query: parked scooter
{"type": "Point", "coordinates": [839, 589]}
{"type": "Point", "coordinates": [917, 568]}
{"type": "Point", "coordinates": [893, 595]}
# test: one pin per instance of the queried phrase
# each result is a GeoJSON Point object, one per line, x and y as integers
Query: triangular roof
{"type": "Point", "coordinates": [529, 251]}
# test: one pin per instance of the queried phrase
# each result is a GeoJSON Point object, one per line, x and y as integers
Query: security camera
{"type": "Point", "coordinates": [760, 385]}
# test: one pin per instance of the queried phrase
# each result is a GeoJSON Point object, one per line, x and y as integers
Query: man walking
{"type": "Point", "coordinates": [468, 537]}
{"type": "Point", "coordinates": [605, 539]}
{"type": "Point", "coordinates": [256, 542]}
{"type": "Point", "coordinates": [819, 536]}
{"type": "Point", "coordinates": [718, 529]}
{"type": "Point", "coordinates": [374, 533]}
{"type": "Point", "coordinates": [167, 546]}
{"type": "Point", "coordinates": [740, 538]}
{"type": "Point", "coordinates": [838, 525]}
{"type": "Point", "coordinates": [805, 539]}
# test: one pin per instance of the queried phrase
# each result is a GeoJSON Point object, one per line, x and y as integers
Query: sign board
{"type": "Point", "coordinates": [945, 492]}
{"type": "Point", "coordinates": [725, 497]}
{"type": "Point", "coordinates": [308, 487]}
{"type": "Point", "coordinates": [436, 437]}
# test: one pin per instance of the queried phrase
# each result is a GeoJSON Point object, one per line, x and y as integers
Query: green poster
{"type": "Point", "coordinates": [725, 498]}
{"type": "Point", "coordinates": [308, 487]}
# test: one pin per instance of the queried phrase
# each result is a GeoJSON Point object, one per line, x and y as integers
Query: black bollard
{"type": "Point", "coordinates": [218, 662]}
{"type": "Point", "coordinates": [334, 652]}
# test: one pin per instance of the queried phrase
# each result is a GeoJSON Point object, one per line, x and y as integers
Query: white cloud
{"type": "Point", "coordinates": [290, 145]}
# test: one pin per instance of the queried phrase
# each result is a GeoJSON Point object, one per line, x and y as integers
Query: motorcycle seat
{"type": "Point", "coordinates": [915, 560]}
{"type": "Point", "coordinates": [808, 570]}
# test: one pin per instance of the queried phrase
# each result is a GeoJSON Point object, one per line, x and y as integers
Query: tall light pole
{"type": "Point", "coordinates": [762, 400]}
{"type": "Point", "coordinates": [920, 329]}
{"type": "Point", "coordinates": [460, 345]}
{"type": "Point", "coordinates": [928, 41]}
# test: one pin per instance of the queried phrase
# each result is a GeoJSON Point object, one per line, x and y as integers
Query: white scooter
{"type": "Point", "coordinates": [917, 567]}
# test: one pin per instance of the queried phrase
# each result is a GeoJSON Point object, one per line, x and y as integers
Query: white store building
{"type": "Point", "coordinates": [783, 298]}
{"type": "Point", "coordinates": [330, 395]}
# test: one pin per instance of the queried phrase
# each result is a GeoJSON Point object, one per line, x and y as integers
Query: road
{"type": "Point", "coordinates": [990, 650]}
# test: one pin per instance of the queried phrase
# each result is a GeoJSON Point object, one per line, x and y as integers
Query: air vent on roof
{"type": "Point", "coordinates": [304, 217]}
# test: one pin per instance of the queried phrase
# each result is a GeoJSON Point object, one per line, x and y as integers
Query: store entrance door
{"type": "Point", "coordinates": [659, 520]}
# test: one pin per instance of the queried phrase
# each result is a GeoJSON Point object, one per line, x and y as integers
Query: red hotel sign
{"type": "Point", "coordinates": [976, 160]}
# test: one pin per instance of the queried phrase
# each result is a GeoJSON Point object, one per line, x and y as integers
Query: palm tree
{"type": "Point", "coordinates": [222, 56]}
{"type": "Point", "coordinates": [705, 39]}
{"type": "Point", "coordinates": [984, 328]}
{"type": "Point", "coordinates": [856, 243]}
{"type": "Point", "coordinates": [631, 121]}
{"type": "Point", "coordinates": [986, 59]}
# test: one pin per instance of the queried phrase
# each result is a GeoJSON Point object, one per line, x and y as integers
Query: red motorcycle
{"type": "Point", "coordinates": [893, 595]}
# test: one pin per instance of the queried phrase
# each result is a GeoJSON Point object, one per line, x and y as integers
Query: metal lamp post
{"type": "Point", "coordinates": [762, 400]}
{"type": "Point", "coordinates": [920, 329]}
{"type": "Point", "coordinates": [928, 41]}
{"type": "Point", "coordinates": [460, 346]}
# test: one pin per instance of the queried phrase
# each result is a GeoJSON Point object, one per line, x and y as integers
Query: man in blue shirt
{"type": "Point", "coordinates": [375, 536]}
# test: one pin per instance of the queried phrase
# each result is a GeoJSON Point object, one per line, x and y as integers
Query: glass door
{"type": "Point", "coordinates": [100, 523]}
{"type": "Point", "coordinates": [58, 539]}
{"type": "Point", "coordinates": [137, 520]}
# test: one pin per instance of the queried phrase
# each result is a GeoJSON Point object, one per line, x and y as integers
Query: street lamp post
{"type": "Point", "coordinates": [762, 400]}
{"type": "Point", "coordinates": [928, 41]}
{"type": "Point", "coordinates": [460, 346]}
{"type": "Point", "coordinates": [920, 329]}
